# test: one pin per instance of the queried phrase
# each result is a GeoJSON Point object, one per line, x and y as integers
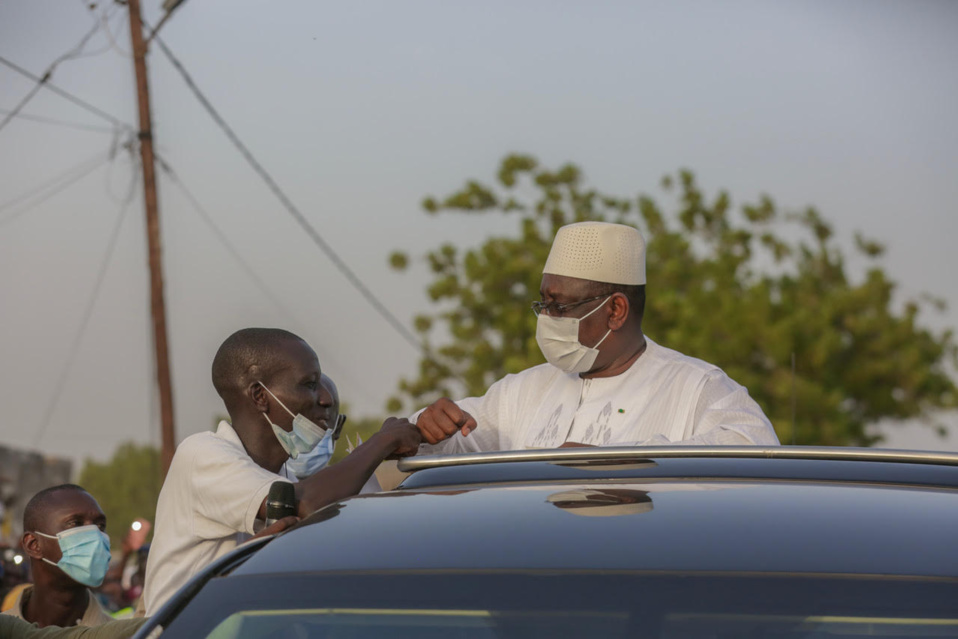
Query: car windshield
{"type": "Point", "coordinates": [361, 623]}
{"type": "Point", "coordinates": [556, 605]}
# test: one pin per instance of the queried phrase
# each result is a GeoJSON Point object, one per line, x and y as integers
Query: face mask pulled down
{"type": "Point", "coordinates": [558, 339]}
{"type": "Point", "coordinates": [304, 436]}
{"type": "Point", "coordinates": [85, 554]}
{"type": "Point", "coordinates": [312, 462]}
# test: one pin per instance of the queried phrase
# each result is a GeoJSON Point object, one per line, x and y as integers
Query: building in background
{"type": "Point", "coordinates": [22, 475]}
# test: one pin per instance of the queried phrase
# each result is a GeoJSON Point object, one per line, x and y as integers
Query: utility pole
{"type": "Point", "coordinates": [153, 237]}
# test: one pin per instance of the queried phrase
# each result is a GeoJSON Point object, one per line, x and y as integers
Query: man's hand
{"type": "Point", "coordinates": [575, 445]}
{"type": "Point", "coordinates": [277, 527]}
{"type": "Point", "coordinates": [405, 434]}
{"type": "Point", "coordinates": [442, 419]}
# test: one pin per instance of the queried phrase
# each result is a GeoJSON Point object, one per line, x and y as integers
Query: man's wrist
{"type": "Point", "coordinates": [385, 441]}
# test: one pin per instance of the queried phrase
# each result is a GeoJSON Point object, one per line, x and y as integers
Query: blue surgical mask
{"type": "Point", "coordinates": [85, 554]}
{"type": "Point", "coordinates": [315, 460]}
{"type": "Point", "coordinates": [304, 436]}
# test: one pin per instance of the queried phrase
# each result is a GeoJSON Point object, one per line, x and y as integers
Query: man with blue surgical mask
{"type": "Point", "coordinates": [69, 554]}
{"type": "Point", "coordinates": [606, 383]}
{"type": "Point", "coordinates": [214, 495]}
{"type": "Point", "coordinates": [314, 461]}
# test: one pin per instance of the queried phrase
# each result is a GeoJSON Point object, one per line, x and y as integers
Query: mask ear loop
{"type": "Point", "coordinates": [590, 312]}
{"type": "Point", "coordinates": [57, 537]}
{"type": "Point", "coordinates": [277, 399]}
{"type": "Point", "coordinates": [37, 532]}
{"type": "Point", "coordinates": [607, 333]}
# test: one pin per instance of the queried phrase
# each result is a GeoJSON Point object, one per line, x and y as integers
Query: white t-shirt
{"type": "Point", "coordinates": [665, 398]}
{"type": "Point", "coordinates": [207, 506]}
{"type": "Point", "coordinates": [95, 615]}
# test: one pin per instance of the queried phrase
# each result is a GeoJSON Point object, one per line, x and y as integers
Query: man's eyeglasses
{"type": "Point", "coordinates": [554, 309]}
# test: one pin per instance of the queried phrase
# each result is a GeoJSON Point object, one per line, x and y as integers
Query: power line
{"type": "Point", "coordinates": [291, 208]}
{"type": "Point", "coordinates": [108, 177]}
{"type": "Point", "coordinates": [68, 96]}
{"type": "Point", "coordinates": [234, 252]}
{"type": "Point", "coordinates": [76, 51]}
{"type": "Point", "coordinates": [86, 171]}
{"type": "Point", "coordinates": [99, 157]}
{"type": "Point", "coordinates": [221, 236]}
{"type": "Point", "coordinates": [13, 113]}
{"type": "Point", "coordinates": [87, 313]}
{"type": "Point", "coordinates": [170, 8]}
{"type": "Point", "coordinates": [72, 125]}
{"type": "Point", "coordinates": [111, 37]}
{"type": "Point", "coordinates": [104, 16]}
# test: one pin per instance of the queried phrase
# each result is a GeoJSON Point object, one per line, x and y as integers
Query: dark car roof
{"type": "Point", "coordinates": [813, 516]}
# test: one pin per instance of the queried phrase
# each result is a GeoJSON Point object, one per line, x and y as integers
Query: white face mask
{"type": "Point", "coordinates": [305, 434]}
{"type": "Point", "coordinates": [558, 339]}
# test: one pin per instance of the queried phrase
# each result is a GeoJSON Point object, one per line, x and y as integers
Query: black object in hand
{"type": "Point", "coordinates": [281, 502]}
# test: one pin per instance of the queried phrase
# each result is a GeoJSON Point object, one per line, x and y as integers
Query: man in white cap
{"type": "Point", "coordinates": [606, 383]}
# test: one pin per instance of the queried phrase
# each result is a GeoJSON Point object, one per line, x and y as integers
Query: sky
{"type": "Point", "coordinates": [359, 110]}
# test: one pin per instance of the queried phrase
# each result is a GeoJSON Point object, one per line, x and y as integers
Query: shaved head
{"type": "Point", "coordinates": [34, 514]}
{"type": "Point", "coordinates": [249, 355]}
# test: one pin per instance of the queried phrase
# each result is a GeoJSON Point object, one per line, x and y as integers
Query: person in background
{"type": "Point", "coordinates": [605, 383]}
{"type": "Point", "coordinates": [110, 594]}
{"type": "Point", "coordinates": [69, 554]}
{"type": "Point", "coordinates": [133, 589]}
{"type": "Point", "coordinates": [314, 461]}
{"type": "Point", "coordinates": [123, 583]}
{"type": "Point", "coordinates": [214, 496]}
{"type": "Point", "coordinates": [13, 576]}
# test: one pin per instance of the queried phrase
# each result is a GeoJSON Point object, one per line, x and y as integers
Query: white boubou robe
{"type": "Point", "coordinates": [665, 398]}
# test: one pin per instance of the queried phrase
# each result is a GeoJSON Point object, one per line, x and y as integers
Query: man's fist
{"type": "Point", "coordinates": [442, 419]}
{"type": "Point", "coordinates": [405, 435]}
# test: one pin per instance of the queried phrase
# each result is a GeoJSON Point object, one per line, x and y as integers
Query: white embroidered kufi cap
{"type": "Point", "coordinates": [598, 251]}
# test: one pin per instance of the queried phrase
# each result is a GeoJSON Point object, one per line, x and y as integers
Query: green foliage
{"type": "Point", "coordinates": [126, 487]}
{"type": "Point", "coordinates": [398, 261]}
{"type": "Point", "coordinates": [364, 428]}
{"type": "Point", "coordinates": [744, 289]}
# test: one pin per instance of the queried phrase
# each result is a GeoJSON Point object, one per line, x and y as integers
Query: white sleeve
{"type": "Point", "coordinates": [725, 415]}
{"type": "Point", "coordinates": [228, 489]}
{"type": "Point", "coordinates": [489, 412]}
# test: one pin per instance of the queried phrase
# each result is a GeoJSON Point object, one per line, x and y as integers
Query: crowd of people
{"type": "Point", "coordinates": [606, 383]}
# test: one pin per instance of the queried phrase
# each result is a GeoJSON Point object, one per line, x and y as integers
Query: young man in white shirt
{"type": "Point", "coordinates": [214, 496]}
{"type": "Point", "coordinates": [606, 383]}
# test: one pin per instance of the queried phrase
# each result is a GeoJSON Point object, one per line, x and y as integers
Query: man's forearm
{"type": "Point", "coordinates": [346, 477]}
{"type": "Point", "coordinates": [14, 628]}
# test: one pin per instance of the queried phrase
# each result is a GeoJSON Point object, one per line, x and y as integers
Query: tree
{"type": "Point", "coordinates": [126, 487]}
{"type": "Point", "coordinates": [745, 289]}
